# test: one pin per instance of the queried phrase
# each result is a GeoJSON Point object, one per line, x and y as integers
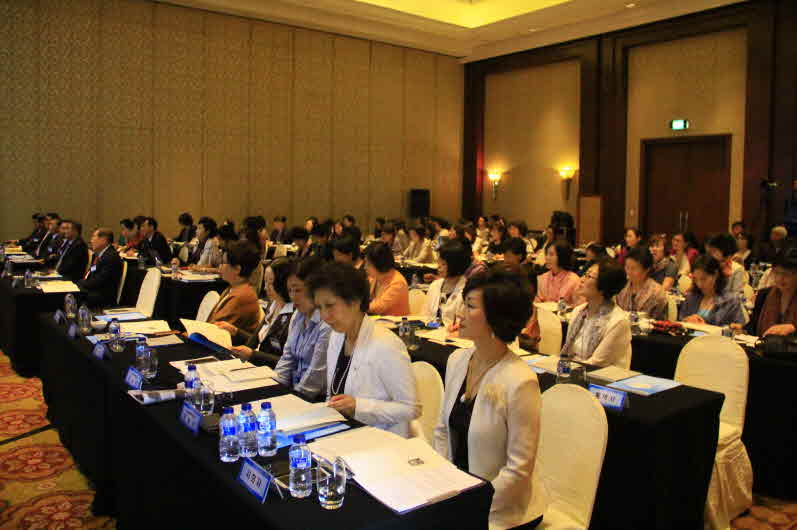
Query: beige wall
{"type": "Point", "coordinates": [532, 130]}
{"type": "Point", "coordinates": [701, 79]}
{"type": "Point", "coordinates": [112, 108]}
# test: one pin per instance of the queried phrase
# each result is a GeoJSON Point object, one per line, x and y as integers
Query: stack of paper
{"type": "Point", "coordinates": [295, 414]}
{"type": "Point", "coordinates": [611, 374]}
{"type": "Point", "coordinates": [403, 474]}
{"type": "Point", "coordinates": [168, 340]}
{"type": "Point", "coordinates": [210, 332]}
{"type": "Point", "coordinates": [47, 275]}
{"type": "Point", "coordinates": [187, 276]}
{"type": "Point", "coordinates": [124, 317]}
{"type": "Point", "coordinates": [645, 385]}
{"type": "Point", "coordinates": [57, 286]}
{"type": "Point", "coordinates": [440, 336]}
{"type": "Point", "coordinates": [544, 363]}
{"type": "Point", "coordinates": [708, 329]}
{"type": "Point", "coordinates": [21, 258]}
{"type": "Point", "coordinates": [229, 376]}
{"type": "Point", "coordinates": [148, 326]}
{"type": "Point", "coordinates": [746, 340]}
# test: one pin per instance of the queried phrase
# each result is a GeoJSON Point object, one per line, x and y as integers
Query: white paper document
{"type": "Point", "coordinates": [57, 286]}
{"type": "Point", "coordinates": [746, 340]}
{"type": "Point", "coordinates": [148, 326]}
{"type": "Point", "coordinates": [168, 340]}
{"type": "Point", "coordinates": [547, 363]}
{"type": "Point", "coordinates": [228, 376]}
{"type": "Point", "coordinates": [122, 317]}
{"type": "Point", "coordinates": [293, 413]}
{"type": "Point", "coordinates": [403, 474]}
{"type": "Point", "coordinates": [612, 374]}
{"type": "Point", "coordinates": [708, 329]}
{"type": "Point", "coordinates": [211, 332]}
{"type": "Point", "coordinates": [189, 277]}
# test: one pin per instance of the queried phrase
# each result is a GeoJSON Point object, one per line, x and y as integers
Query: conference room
{"type": "Point", "coordinates": [386, 264]}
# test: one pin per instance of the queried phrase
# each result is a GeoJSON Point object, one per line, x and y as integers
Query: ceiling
{"type": "Point", "coordinates": [469, 29]}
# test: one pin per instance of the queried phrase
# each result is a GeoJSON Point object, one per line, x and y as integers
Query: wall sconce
{"type": "Point", "coordinates": [495, 179]}
{"type": "Point", "coordinates": [567, 174]}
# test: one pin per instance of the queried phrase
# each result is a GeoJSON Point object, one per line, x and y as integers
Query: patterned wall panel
{"type": "Point", "coordinates": [420, 114]}
{"type": "Point", "coordinates": [177, 170]}
{"type": "Point", "coordinates": [387, 130]}
{"type": "Point", "coordinates": [226, 174]}
{"type": "Point", "coordinates": [125, 175]}
{"type": "Point", "coordinates": [19, 149]}
{"type": "Point", "coordinates": [350, 132]}
{"type": "Point", "coordinates": [447, 189]}
{"type": "Point", "coordinates": [271, 117]}
{"type": "Point", "coordinates": [312, 121]}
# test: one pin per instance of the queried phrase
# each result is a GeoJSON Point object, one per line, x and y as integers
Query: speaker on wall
{"type": "Point", "coordinates": [419, 203]}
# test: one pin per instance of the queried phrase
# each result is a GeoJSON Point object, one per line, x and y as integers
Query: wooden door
{"type": "Point", "coordinates": [685, 184]}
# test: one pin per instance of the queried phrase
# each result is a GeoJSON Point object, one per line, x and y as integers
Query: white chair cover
{"type": "Point", "coordinates": [749, 293]}
{"type": "Point", "coordinates": [717, 363]}
{"type": "Point", "coordinates": [209, 301]}
{"type": "Point", "coordinates": [430, 393]}
{"type": "Point", "coordinates": [572, 444]}
{"type": "Point", "coordinates": [672, 309]}
{"type": "Point", "coordinates": [550, 332]}
{"type": "Point", "coordinates": [149, 292]}
{"type": "Point", "coordinates": [417, 301]}
{"type": "Point", "coordinates": [121, 282]}
{"type": "Point", "coordinates": [684, 283]}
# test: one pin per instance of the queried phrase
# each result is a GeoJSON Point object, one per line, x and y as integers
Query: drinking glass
{"type": "Point", "coordinates": [205, 399]}
{"type": "Point", "coordinates": [331, 483]}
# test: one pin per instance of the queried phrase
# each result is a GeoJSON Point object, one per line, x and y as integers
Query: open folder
{"type": "Point", "coordinates": [208, 335]}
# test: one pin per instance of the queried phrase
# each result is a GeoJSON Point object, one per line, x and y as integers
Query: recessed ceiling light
{"type": "Point", "coordinates": [629, 6]}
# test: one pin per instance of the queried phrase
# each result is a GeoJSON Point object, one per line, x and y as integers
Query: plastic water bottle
{"type": "Point", "coordinates": [561, 307]}
{"type": "Point", "coordinates": [7, 271]}
{"type": "Point", "coordinates": [192, 383]}
{"type": "Point", "coordinates": [266, 430]}
{"type": "Point", "coordinates": [115, 337]}
{"type": "Point", "coordinates": [301, 479]}
{"type": "Point", "coordinates": [28, 279]}
{"type": "Point", "coordinates": [228, 437]}
{"type": "Point", "coordinates": [142, 262]}
{"type": "Point", "coordinates": [84, 319]}
{"type": "Point", "coordinates": [404, 330]}
{"type": "Point", "coordinates": [563, 369]}
{"type": "Point", "coordinates": [247, 430]}
{"type": "Point", "coordinates": [175, 271]}
{"type": "Point", "coordinates": [414, 284]}
{"type": "Point", "coordinates": [633, 317]}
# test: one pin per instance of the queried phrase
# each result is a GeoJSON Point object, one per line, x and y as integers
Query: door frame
{"type": "Point", "coordinates": [643, 177]}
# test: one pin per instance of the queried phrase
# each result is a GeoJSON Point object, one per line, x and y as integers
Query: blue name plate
{"type": "Point", "coordinates": [134, 378]}
{"type": "Point", "coordinates": [59, 317]}
{"type": "Point", "coordinates": [255, 479]}
{"type": "Point", "coordinates": [72, 331]}
{"type": "Point", "coordinates": [609, 397]}
{"type": "Point", "coordinates": [190, 417]}
{"type": "Point", "coordinates": [100, 350]}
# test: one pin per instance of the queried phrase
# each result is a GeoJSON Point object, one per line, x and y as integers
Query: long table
{"type": "Point", "coordinates": [149, 471]}
{"type": "Point", "coordinates": [659, 456]}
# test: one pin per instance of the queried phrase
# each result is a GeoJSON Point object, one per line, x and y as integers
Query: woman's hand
{"type": "Point", "coordinates": [176, 261]}
{"type": "Point", "coordinates": [695, 319]}
{"type": "Point", "coordinates": [226, 326]}
{"type": "Point", "coordinates": [343, 404]}
{"type": "Point", "coordinates": [780, 329]}
{"type": "Point", "coordinates": [243, 352]}
{"type": "Point", "coordinates": [429, 277]}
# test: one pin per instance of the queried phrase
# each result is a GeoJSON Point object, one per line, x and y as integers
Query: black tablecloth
{"type": "Point", "coordinates": [409, 270]}
{"type": "Point", "coordinates": [659, 455]}
{"type": "Point", "coordinates": [149, 471]}
{"type": "Point", "coordinates": [19, 337]}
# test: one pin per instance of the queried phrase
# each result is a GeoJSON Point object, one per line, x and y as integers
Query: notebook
{"type": "Point", "coordinates": [645, 385]}
{"type": "Point", "coordinates": [208, 335]}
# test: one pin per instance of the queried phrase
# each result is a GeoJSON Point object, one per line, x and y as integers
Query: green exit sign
{"type": "Point", "coordinates": [679, 125]}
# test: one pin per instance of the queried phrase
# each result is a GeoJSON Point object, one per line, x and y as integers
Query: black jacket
{"type": "Point", "coordinates": [103, 280]}
{"type": "Point", "coordinates": [30, 243]}
{"type": "Point", "coordinates": [72, 264]}
{"type": "Point", "coordinates": [158, 247]}
{"type": "Point", "coordinates": [47, 243]}
{"type": "Point", "coordinates": [270, 349]}
{"type": "Point", "coordinates": [186, 234]}
{"type": "Point", "coordinates": [280, 236]}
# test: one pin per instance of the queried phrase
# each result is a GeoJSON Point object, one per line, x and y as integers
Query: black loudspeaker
{"type": "Point", "coordinates": [419, 203]}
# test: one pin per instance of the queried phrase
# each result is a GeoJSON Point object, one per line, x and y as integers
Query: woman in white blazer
{"type": "Point", "coordinates": [369, 377]}
{"type": "Point", "coordinates": [599, 332]}
{"type": "Point", "coordinates": [444, 296]}
{"type": "Point", "coordinates": [490, 421]}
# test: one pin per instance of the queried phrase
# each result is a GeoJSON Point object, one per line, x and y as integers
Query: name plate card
{"type": "Point", "coordinates": [72, 330]}
{"type": "Point", "coordinates": [100, 350]}
{"type": "Point", "coordinates": [609, 397]}
{"type": "Point", "coordinates": [190, 417]}
{"type": "Point", "coordinates": [134, 378]}
{"type": "Point", "coordinates": [255, 479]}
{"type": "Point", "coordinates": [59, 317]}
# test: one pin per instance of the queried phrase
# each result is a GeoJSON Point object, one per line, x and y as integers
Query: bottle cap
{"type": "Point", "coordinates": [246, 406]}
{"type": "Point", "coordinates": [266, 405]}
{"type": "Point", "coordinates": [191, 367]}
{"type": "Point", "coordinates": [298, 438]}
{"type": "Point", "coordinates": [227, 410]}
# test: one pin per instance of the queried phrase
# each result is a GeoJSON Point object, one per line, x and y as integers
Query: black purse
{"type": "Point", "coordinates": [778, 347]}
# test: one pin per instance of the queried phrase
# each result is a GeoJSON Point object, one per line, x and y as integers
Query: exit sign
{"type": "Point", "coordinates": [679, 125]}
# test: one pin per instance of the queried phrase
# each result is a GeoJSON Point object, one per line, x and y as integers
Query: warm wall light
{"type": "Point", "coordinates": [567, 174]}
{"type": "Point", "coordinates": [495, 179]}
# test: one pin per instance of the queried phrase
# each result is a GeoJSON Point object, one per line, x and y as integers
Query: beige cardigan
{"type": "Point", "coordinates": [503, 436]}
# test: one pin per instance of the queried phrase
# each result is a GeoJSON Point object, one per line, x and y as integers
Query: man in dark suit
{"type": "Point", "coordinates": [39, 229]}
{"type": "Point", "coordinates": [47, 243]}
{"type": "Point", "coordinates": [321, 246]}
{"type": "Point", "coordinates": [74, 256]}
{"type": "Point", "coordinates": [280, 233]}
{"type": "Point", "coordinates": [102, 281]}
{"type": "Point", "coordinates": [153, 244]}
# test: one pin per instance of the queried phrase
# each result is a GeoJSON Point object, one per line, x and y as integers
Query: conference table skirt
{"type": "Point", "coordinates": [150, 471]}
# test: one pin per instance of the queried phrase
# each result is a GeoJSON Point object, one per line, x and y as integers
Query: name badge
{"type": "Point", "coordinates": [134, 378]}
{"type": "Point", "coordinates": [93, 268]}
{"type": "Point", "coordinates": [100, 350]}
{"type": "Point", "coordinates": [190, 417]}
{"type": "Point", "coordinates": [609, 397]}
{"type": "Point", "coordinates": [72, 330]}
{"type": "Point", "coordinates": [59, 317]}
{"type": "Point", "coordinates": [255, 479]}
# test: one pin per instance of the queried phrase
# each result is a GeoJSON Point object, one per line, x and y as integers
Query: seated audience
{"type": "Point", "coordinates": [520, 230]}
{"type": "Point", "coordinates": [337, 230]}
{"type": "Point", "coordinates": [349, 220]}
{"type": "Point", "coordinates": [207, 253]}
{"type": "Point", "coordinates": [321, 246]}
{"type": "Point", "coordinates": [347, 250]}
{"type": "Point", "coordinates": [280, 232]}
{"type": "Point", "coordinates": [769, 250]}
{"type": "Point", "coordinates": [744, 250]}
{"type": "Point", "coordinates": [368, 370]}
{"type": "Point", "coordinates": [444, 297]}
{"type": "Point", "coordinates": [74, 257]}
{"type": "Point", "coordinates": [378, 223]}
{"type": "Point", "coordinates": [599, 332]}
{"type": "Point", "coordinates": [29, 243]}
{"type": "Point", "coordinates": [722, 247]}
{"type": "Point", "coordinates": [402, 238]}
{"type": "Point", "coordinates": [681, 254]}
{"type": "Point", "coordinates": [101, 283]}
{"type": "Point", "coordinates": [664, 269]}
{"type": "Point", "coordinates": [490, 419]}
{"type": "Point", "coordinates": [238, 303]}
{"type": "Point", "coordinates": [594, 253]}
{"type": "Point", "coordinates": [737, 228]}
{"type": "Point", "coordinates": [709, 302]}
{"type": "Point", "coordinates": [633, 237]}
{"type": "Point", "coordinates": [130, 237]}
{"type": "Point", "coordinates": [310, 223]}
{"type": "Point", "coordinates": [775, 310]}
{"type": "Point", "coordinates": [482, 228]}
{"type": "Point", "coordinates": [389, 290]}
{"type": "Point", "coordinates": [153, 245]}
{"type": "Point", "coordinates": [50, 240]}
{"type": "Point", "coordinates": [390, 239]}
{"type": "Point", "coordinates": [498, 239]}
{"type": "Point", "coordinates": [642, 293]}
{"type": "Point", "coordinates": [515, 251]}
{"type": "Point", "coordinates": [559, 281]}
{"type": "Point", "coordinates": [440, 231]}
{"type": "Point", "coordinates": [56, 245]}
{"type": "Point", "coordinates": [188, 229]}
{"type": "Point", "coordinates": [299, 237]}
{"type": "Point", "coordinates": [419, 248]}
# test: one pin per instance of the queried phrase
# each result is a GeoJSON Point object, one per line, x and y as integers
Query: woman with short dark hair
{"type": "Point", "coordinates": [389, 290]}
{"type": "Point", "coordinates": [368, 368]}
{"type": "Point", "coordinates": [206, 254]}
{"type": "Point", "coordinates": [722, 247]}
{"type": "Point", "coordinates": [498, 239]}
{"type": "Point", "coordinates": [420, 248]}
{"type": "Point", "coordinates": [642, 293]}
{"type": "Point", "coordinates": [188, 231]}
{"type": "Point", "coordinates": [444, 297]}
{"type": "Point", "coordinates": [559, 282]}
{"type": "Point", "coordinates": [775, 310]}
{"type": "Point", "coordinates": [599, 332]}
{"type": "Point", "coordinates": [633, 237]}
{"type": "Point", "coordinates": [347, 250]}
{"type": "Point", "coordinates": [744, 250]}
{"type": "Point", "coordinates": [490, 419]}
{"type": "Point", "coordinates": [709, 301]}
{"type": "Point", "coordinates": [238, 304]}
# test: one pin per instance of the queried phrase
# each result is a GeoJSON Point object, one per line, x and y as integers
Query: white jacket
{"type": "Point", "coordinates": [380, 378]}
{"type": "Point", "coordinates": [503, 435]}
{"type": "Point", "coordinates": [454, 305]}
